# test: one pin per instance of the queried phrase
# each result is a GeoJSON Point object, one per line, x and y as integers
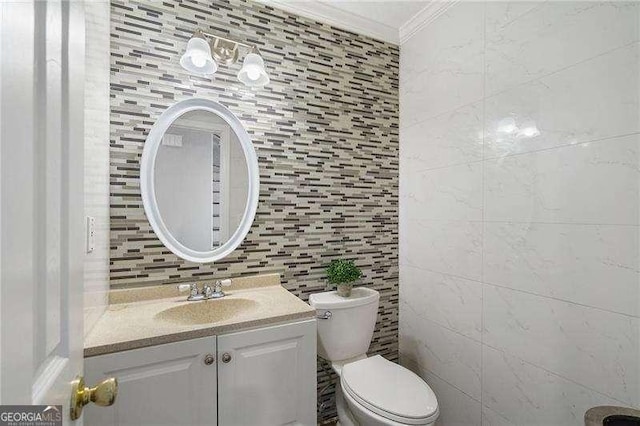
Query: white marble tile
{"type": "Point", "coordinates": [554, 36]}
{"type": "Point", "coordinates": [437, 43]}
{"type": "Point", "coordinates": [595, 348]}
{"type": "Point", "coordinates": [451, 138]}
{"type": "Point", "coordinates": [453, 302]}
{"type": "Point", "coordinates": [589, 101]}
{"type": "Point", "coordinates": [516, 392]}
{"type": "Point", "coordinates": [456, 408]}
{"type": "Point", "coordinates": [492, 418]}
{"type": "Point", "coordinates": [450, 247]}
{"type": "Point", "coordinates": [499, 14]}
{"type": "Point", "coordinates": [441, 69]}
{"type": "Point", "coordinates": [588, 183]}
{"type": "Point", "coordinates": [449, 355]}
{"type": "Point", "coordinates": [595, 265]}
{"type": "Point", "coordinates": [450, 193]}
{"type": "Point", "coordinates": [427, 95]}
{"type": "Point", "coordinates": [560, 195]}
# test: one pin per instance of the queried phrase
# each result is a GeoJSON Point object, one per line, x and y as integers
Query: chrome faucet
{"type": "Point", "coordinates": [207, 292]}
{"type": "Point", "coordinates": [217, 289]}
{"type": "Point", "coordinates": [194, 293]}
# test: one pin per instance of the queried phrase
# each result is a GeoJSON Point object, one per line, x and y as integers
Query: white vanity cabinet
{"type": "Point", "coordinates": [264, 376]}
{"type": "Point", "coordinates": [268, 376]}
{"type": "Point", "coordinates": [171, 384]}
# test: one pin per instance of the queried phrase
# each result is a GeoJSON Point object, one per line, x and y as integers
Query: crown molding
{"type": "Point", "coordinates": [424, 17]}
{"type": "Point", "coordinates": [324, 12]}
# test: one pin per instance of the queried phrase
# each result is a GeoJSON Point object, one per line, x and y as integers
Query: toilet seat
{"type": "Point", "coordinates": [389, 390]}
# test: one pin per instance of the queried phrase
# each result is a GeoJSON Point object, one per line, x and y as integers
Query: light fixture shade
{"type": "Point", "coordinates": [197, 58]}
{"type": "Point", "coordinates": [253, 73]}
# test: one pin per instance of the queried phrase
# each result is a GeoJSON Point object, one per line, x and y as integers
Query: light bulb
{"type": "Point", "coordinates": [198, 59]}
{"type": "Point", "coordinates": [253, 73]}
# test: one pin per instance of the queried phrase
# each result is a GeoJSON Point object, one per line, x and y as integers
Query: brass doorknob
{"type": "Point", "coordinates": [103, 394]}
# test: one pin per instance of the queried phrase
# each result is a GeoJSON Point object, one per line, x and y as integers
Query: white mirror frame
{"type": "Point", "coordinates": [147, 166]}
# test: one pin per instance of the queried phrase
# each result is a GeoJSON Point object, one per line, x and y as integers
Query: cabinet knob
{"type": "Point", "coordinates": [209, 359]}
{"type": "Point", "coordinates": [226, 357]}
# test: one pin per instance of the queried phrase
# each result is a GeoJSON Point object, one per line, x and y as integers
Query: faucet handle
{"type": "Point", "coordinates": [217, 289]}
{"type": "Point", "coordinates": [184, 287]}
{"type": "Point", "coordinates": [194, 293]}
{"type": "Point", "coordinates": [207, 291]}
{"type": "Point", "coordinates": [224, 283]}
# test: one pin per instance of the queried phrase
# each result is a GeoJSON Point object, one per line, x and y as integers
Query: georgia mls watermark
{"type": "Point", "coordinates": [30, 415]}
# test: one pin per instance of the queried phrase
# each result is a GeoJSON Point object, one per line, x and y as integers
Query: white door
{"type": "Point", "coordinates": [172, 384]}
{"type": "Point", "coordinates": [268, 376]}
{"type": "Point", "coordinates": [41, 200]}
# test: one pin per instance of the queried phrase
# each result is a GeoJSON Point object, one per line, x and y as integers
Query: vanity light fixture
{"type": "Point", "coordinates": [197, 58]}
{"type": "Point", "coordinates": [205, 51]}
{"type": "Point", "coordinates": [253, 73]}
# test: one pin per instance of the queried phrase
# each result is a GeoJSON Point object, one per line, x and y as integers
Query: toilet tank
{"type": "Point", "coordinates": [348, 331]}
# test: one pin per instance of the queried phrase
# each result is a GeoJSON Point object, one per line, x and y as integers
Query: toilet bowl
{"type": "Point", "coordinates": [372, 391]}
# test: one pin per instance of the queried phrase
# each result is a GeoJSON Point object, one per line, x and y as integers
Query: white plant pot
{"type": "Point", "coordinates": [344, 290]}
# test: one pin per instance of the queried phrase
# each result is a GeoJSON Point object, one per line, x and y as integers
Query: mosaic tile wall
{"type": "Point", "coordinates": [325, 130]}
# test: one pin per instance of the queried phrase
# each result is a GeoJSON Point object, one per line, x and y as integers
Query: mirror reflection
{"type": "Point", "coordinates": [201, 180]}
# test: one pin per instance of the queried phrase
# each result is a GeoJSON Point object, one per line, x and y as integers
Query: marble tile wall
{"type": "Point", "coordinates": [520, 209]}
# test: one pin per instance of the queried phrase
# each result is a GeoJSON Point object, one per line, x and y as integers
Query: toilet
{"type": "Point", "coordinates": [372, 391]}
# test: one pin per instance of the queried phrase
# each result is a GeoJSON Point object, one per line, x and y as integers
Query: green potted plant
{"type": "Point", "coordinates": [343, 273]}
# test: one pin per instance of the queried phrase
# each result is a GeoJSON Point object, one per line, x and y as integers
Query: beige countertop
{"type": "Point", "coordinates": [136, 320]}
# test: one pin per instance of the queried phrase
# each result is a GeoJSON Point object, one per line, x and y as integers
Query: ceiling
{"type": "Point", "coordinates": [389, 20]}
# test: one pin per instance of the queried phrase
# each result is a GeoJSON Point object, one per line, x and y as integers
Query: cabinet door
{"type": "Point", "coordinates": [160, 385]}
{"type": "Point", "coordinates": [270, 378]}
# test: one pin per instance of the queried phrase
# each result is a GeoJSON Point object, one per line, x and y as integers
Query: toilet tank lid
{"type": "Point", "coordinates": [331, 300]}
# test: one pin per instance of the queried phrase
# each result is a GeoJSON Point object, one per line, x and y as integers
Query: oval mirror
{"type": "Point", "coordinates": [199, 180]}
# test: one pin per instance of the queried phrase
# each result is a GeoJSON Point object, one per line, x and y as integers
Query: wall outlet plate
{"type": "Point", "coordinates": [91, 233]}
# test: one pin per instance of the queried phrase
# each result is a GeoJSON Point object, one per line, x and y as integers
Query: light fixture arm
{"type": "Point", "coordinates": [252, 48]}
{"type": "Point", "coordinates": [205, 51]}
